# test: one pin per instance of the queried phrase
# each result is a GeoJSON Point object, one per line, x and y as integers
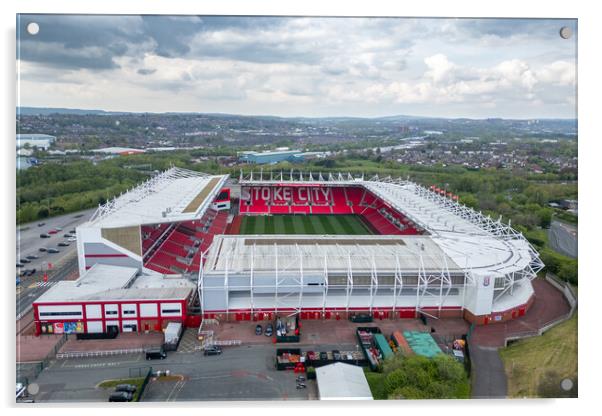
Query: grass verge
{"type": "Point", "coordinates": [110, 384]}
{"type": "Point", "coordinates": [535, 367]}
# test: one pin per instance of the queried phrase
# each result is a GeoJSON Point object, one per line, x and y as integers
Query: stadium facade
{"type": "Point", "coordinates": [426, 254]}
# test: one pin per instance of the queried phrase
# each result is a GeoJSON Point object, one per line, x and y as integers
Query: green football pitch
{"type": "Point", "coordinates": [304, 224]}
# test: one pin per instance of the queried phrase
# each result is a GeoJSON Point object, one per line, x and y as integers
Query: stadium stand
{"type": "Point", "coordinates": [332, 200]}
{"type": "Point", "coordinates": [180, 249]}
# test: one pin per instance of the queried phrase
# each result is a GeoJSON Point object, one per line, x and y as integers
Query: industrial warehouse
{"type": "Point", "coordinates": [186, 246]}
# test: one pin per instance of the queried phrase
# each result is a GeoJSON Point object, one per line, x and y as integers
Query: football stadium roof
{"type": "Point", "coordinates": [459, 234]}
{"type": "Point", "coordinates": [335, 253]}
{"type": "Point", "coordinates": [174, 195]}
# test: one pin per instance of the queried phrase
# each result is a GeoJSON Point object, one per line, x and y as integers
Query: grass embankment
{"type": "Point", "coordinates": [536, 366]}
{"type": "Point", "coordinates": [110, 384]}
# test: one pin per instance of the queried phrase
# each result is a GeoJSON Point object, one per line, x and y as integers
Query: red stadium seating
{"type": "Point", "coordinates": [180, 250]}
{"type": "Point", "coordinates": [320, 201]}
{"type": "Point", "coordinates": [340, 203]}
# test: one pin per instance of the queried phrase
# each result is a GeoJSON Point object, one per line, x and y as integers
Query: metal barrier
{"type": "Point", "coordinates": [27, 372]}
{"type": "Point", "coordinates": [89, 354]}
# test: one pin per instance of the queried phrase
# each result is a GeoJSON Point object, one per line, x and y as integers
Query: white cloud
{"type": "Point", "coordinates": [321, 67]}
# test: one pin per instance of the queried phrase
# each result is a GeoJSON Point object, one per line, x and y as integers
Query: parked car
{"type": "Point", "coordinates": [156, 354]}
{"type": "Point", "coordinates": [53, 250]}
{"type": "Point", "coordinates": [258, 330]}
{"type": "Point", "coordinates": [25, 261]}
{"type": "Point", "coordinates": [120, 396]}
{"type": "Point", "coordinates": [68, 235]}
{"type": "Point", "coordinates": [32, 257]}
{"type": "Point", "coordinates": [58, 229]}
{"type": "Point", "coordinates": [52, 231]}
{"type": "Point", "coordinates": [336, 354]}
{"type": "Point", "coordinates": [129, 388]}
{"type": "Point", "coordinates": [20, 265]}
{"type": "Point", "coordinates": [63, 244]}
{"type": "Point", "coordinates": [213, 350]}
{"type": "Point", "coordinates": [72, 231]}
{"type": "Point", "coordinates": [41, 224]}
{"type": "Point", "coordinates": [269, 330]}
{"type": "Point", "coordinates": [44, 235]}
{"type": "Point", "coordinates": [72, 239]}
{"type": "Point", "coordinates": [28, 272]}
{"type": "Point", "coordinates": [43, 249]}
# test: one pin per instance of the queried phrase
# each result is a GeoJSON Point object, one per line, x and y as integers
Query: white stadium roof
{"type": "Point", "coordinates": [174, 195]}
{"type": "Point", "coordinates": [336, 253]}
{"type": "Point", "coordinates": [466, 237]}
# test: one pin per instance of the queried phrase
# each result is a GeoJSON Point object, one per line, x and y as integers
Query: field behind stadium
{"type": "Point", "coordinates": [304, 224]}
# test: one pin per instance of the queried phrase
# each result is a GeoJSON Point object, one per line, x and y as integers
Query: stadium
{"type": "Point", "coordinates": [188, 246]}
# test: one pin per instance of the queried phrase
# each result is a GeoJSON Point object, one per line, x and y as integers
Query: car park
{"type": "Point", "coordinates": [32, 257]}
{"type": "Point", "coordinates": [213, 350]}
{"type": "Point", "coordinates": [120, 396]}
{"type": "Point", "coordinates": [53, 250]}
{"type": "Point", "coordinates": [43, 249]}
{"type": "Point", "coordinates": [63, 244]}
{"type": "Point", "coordinates": [269, 330]}
{"type": "Point", "coordinates": [128, 388]}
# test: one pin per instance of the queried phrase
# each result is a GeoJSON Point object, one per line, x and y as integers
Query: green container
{"type": "Point", "coordinates": [383, 345]}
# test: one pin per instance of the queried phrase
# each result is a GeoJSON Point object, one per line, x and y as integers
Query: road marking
{"type": "Point", "coordinates": [41, 284]}
{"type": "Point", "coordinates": [178, 386]}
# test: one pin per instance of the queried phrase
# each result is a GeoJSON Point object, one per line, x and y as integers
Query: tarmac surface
{"type": "Point", "coordinates": [239, 373]}
{"type": "Point", "coordinates": [488, 375]}
{"type": "Point", "coordinates": [64, 263]}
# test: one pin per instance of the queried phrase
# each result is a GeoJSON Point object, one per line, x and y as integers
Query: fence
{"type": "Point", "coordinates": [90, 354]}
{"type": "Point", "coordinates": [136, 373]}
{"type": "Point", "coordinates": [27, 372]}
{"type": "Point", "coordinates": [571, 298]}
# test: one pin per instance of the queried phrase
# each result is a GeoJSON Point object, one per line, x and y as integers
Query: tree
{"type": "Point", "coordinates": [417, 377]}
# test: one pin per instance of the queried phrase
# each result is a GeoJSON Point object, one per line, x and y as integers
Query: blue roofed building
{"type": "Point", "coordinates": [262, 158]}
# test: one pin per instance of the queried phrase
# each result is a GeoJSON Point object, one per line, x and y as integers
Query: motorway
{"type": "Point", "coordinates": [63, 263]}
{"type": "Point", "coordinates": [240, 373]}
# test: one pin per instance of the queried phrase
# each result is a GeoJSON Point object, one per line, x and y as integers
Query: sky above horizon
{"type": "Point", "coordinates": [296, 66]}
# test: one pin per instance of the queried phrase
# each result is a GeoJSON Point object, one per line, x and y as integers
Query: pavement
{"type": "Point", "coordinates": [488, 374]}
{"type": "Point", "coordinates": [123, 341]}
{"type": "Point", "coordinates": [549, 305]}
{"type": "Point", "coordinates": [316, 332]}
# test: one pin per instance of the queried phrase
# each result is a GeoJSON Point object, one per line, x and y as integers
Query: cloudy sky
{"type": "Point", "coordinates": [299, 66]}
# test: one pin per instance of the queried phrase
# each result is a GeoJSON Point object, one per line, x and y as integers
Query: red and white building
{"type": "Point", "coordinates": [112, 298]}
